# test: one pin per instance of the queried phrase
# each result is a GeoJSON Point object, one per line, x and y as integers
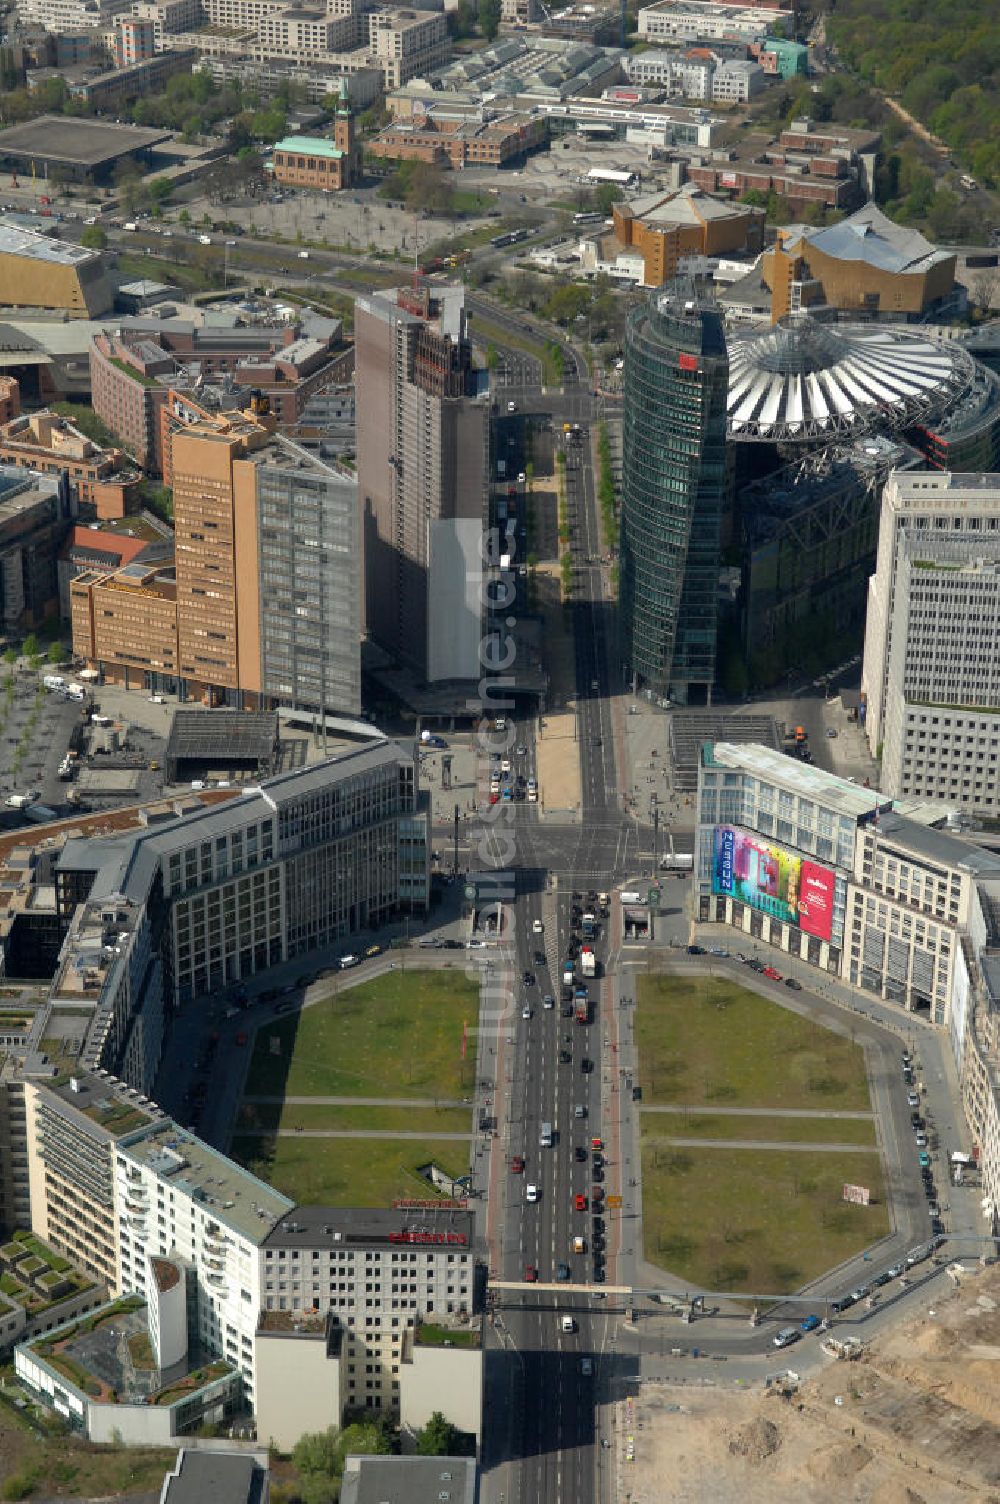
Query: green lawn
{"type": "Point", "coordinates": [766, 1221]}
{"type": "Point", "coordinates": [789, 1130]}
{"type": "Point", "coordinates": [704, 1040]}
{"type": "Point", "coordinates": [430, 1120]}
{"type": "Point", "coordinates": [397, 1036]}
{"type": "Point", "coordinates": [348, 1171]}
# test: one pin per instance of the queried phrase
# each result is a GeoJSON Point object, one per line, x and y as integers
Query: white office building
{"type": "Point", "coordinates": [703, 20]}
{"type": "Point", "coordinates": [775, 848]}
{"type": "Point", "coordinates": [931, 676]}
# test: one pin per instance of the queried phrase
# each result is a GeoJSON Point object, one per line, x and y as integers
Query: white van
{"type": "Point", "coordinates": [546, 1136]}
{"type": "Point", "coordinates": [568, 1324]}
{"type": "Point", "coordinates": [54, 681]}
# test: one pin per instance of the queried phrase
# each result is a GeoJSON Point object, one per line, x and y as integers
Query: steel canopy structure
{"type": "Point", "coordinates": [805, 382]}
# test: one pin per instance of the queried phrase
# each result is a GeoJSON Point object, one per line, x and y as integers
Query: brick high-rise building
{"type": "Point", "coordinates": [423, 472]}
{"type": "Point", "coordinates": [261, 603]}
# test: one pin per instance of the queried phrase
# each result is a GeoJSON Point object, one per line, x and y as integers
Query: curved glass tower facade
{"type": "Point", "coordinates": [674, 495]}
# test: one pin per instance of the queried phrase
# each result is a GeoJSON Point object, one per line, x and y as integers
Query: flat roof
{"type": "Point", "coordinates": [223, 1477]}
{"type": "Point", "coordinates": [16, 241]}
{"type": "Point", "coordinates": [76, 142]}
{"type": "Point", "coordinates": [409, 1480]}
{"type": "Point", "coordinates": [801, 778]}
{"type": "Point", "coordinates": [337, 1226]}
{"type": "Point", "coordinates": [943, 846]}
{"type": "Point", "coordinates": [226, 735]}
{"type": "Point", "coordinates": [222, 1188]}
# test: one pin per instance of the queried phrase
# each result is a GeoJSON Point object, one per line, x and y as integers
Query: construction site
{"type": "Point", "coordinates": [908, 1417]}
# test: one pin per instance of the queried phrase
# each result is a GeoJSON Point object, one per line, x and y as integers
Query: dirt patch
{"type": "Point", "coordinates": [916, 1420]}
{"type": "Point", "coordinates": [760, 1439]}
{"type": "Point", "coordinates": [558, 754]}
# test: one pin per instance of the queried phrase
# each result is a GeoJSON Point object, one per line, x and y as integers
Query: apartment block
{"type": "Point", "coordinates": [379, 1273]}
{"type": "Point", "coordinates": [71, 15]}
{"type": "Point", "coordinates": [407, 44]}
{"type": "Point", "coordinates": [423, 469]}
{"type": "Point", "coordinates": [178, 1198]}
{"type": "Point", "coordinates": [135, 40]}
{"type": "Point", "coordinates": [930, 677]}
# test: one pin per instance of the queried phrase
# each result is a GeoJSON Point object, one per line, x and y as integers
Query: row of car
{"type": "Point", "coordinates": [754, 963]}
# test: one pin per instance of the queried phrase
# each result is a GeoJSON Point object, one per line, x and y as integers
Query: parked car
{"type": "Point", "coordinates": [517, 1165]}
{"type": "Point", "coordinates": [530, 1274]}
{"type": "Point", "coordinates": [696, 950]}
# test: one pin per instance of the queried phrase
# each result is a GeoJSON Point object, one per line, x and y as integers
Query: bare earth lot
{"type": "Point", "coordinates": [917, 1422]}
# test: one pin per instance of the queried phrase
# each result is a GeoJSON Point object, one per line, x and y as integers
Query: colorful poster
{"type": "Point", "coordinates": [792, 889]}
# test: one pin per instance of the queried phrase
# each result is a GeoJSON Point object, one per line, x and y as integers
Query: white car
{"type": "Point", "coordinates": [538, 927]}
{"type": "Point", "coordinates": [512, 407]}
{"type": "Point", "coordinates": [526, 1011]}
{"type": "Point", "coordinates": [531, 1193]}
{"type": "Point", "coordinates": [522, 478]}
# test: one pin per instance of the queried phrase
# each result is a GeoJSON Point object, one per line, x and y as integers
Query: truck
{"type": "Point", "coordinates": [588, 926]}
{"type": "Point", "coordinates": [567, 971]}
{"type": "Point", "coordinates": [18, 801]}
{"type": "Point", "coordinates": [588, 962]}
{"type": "Point", "coordinates": [53, 681]}
{"type": "Point", "coordinates": [581, 1005]}
{"type": "Point", "coordinates": [676, 861]}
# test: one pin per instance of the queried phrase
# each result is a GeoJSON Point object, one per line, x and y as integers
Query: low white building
{"type": "Point", "coordinates": [736, 81]}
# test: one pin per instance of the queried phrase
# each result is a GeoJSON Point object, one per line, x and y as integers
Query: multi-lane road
{"type": "Point", "coordinates": [543, 1434]}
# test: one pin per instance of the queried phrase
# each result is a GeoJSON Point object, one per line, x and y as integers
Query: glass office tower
{"type": "Point", "coordinates": [674, 494]}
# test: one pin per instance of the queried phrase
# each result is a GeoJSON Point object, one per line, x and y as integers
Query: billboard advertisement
{"type": "Point", "coordinates": [791, 888]}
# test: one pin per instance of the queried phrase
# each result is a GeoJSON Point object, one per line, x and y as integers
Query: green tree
{"type": "Point", "coordinates": [439, 1438]}
{"type": "Point", "coordinates": [55, 653]}
{"type": "Point", "coordinates": [29, 647]}
{"type": "Point", "coordinates": [93, 237]}
{"type": "Point", "coordinates": [489, 18]}
{"type": "Point", "coordinates": [428, 188]}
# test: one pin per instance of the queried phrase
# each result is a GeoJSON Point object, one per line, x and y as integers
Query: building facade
{"type": "Point", "coordinates": [259, 603]}
{"type": "Point", "coordinates": [423, 475]}
{"type": "Point", "coordinates": [673, 496]}
{"type": "Point", "coordinates": [666, 228]}
{"type": "Point", "coordinates": [315, 162]}
{"type": "Point", "coordinates": [51, 445]}
{"type": "Point", "coordinates": [931, 678]}
{"type": "Point", "coordinates": [37, 272]}
{"type": "Point", "coordinates": [379, 1273]}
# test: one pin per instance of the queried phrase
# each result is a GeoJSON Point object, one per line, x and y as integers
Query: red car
{"type": "Point", "coordinates": [597, 1143]}
{"type": "Point", "coordinates": [775, 976]}
{"type": "Point", "coordinates": [530, 1274]}
{"type": "Point", "coordinates": [241, 1038]}
{"type": "Point", "coordinates": [580, 1203]}
{"type": "Point", "coordinates": [517, 1165]}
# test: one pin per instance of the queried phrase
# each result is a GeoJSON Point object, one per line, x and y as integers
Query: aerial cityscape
{"type": "Point", "coordinates": [499, 751]}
